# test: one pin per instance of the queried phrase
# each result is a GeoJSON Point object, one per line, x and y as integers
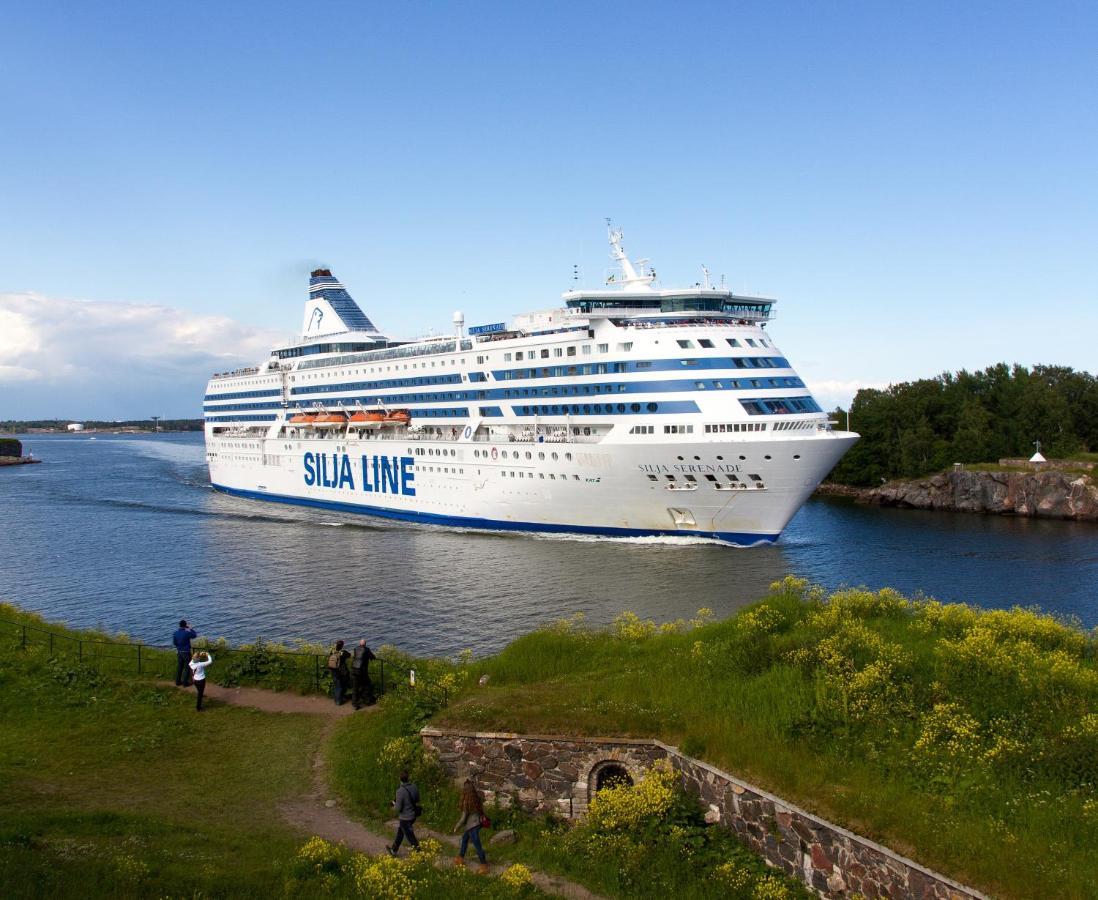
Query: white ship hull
{"type": "Point", "coordinates": [588, 489]}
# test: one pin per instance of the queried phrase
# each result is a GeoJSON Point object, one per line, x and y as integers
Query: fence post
{"type": "Point", "coordinates": [382, 675]}
{"type": "Point", "coordinates": [138, 659]}
{"type": "Point", "coordinates": [24, 637]}
{"type": "Point", "coordinates": [51, 643]}
{"type": "Point", "coordinates": [80, 650]}
{"type": "Point", "coordinates": [316, 666]}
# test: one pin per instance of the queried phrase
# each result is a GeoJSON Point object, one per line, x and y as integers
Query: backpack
{"type": "Point", "coordinates": [333, 660]}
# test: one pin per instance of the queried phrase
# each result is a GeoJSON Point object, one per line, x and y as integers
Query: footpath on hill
{"type": "Point", "coordinates": [318, 812]}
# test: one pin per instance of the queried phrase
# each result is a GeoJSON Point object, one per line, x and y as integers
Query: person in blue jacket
{"type": "Point", "coordinates": [182, 638]}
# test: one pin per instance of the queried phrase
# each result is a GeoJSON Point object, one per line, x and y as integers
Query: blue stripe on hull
{"type": "Point", "coordinates": [732, 537]}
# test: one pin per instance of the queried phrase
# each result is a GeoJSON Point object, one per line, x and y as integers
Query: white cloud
{"type": "Point", "coordinates": [830, 393]}
{"type": "Point", "coordinates": [99, 359]}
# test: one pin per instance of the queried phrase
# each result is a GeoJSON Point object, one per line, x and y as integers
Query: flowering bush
{"type": "Point", "coordinates": [627, 807]}
{"type": "Point", "coordinates": [382, 878]}
{"type": "Point", "coordinates": [517, 877]}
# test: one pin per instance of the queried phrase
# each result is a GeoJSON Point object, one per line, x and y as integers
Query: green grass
{"type": "Point", "coordinates": [115, 787]}
{"type": "Point", "coordinates": [824, 701]}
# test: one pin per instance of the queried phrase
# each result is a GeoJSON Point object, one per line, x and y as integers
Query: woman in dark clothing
{"type": "Point", "coordinates": [472, 811]}
{"type": "Point", "coordinates": [341, 678]}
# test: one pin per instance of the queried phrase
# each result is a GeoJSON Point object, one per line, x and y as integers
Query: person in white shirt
{"type": "Point", "coordinates": [199, 661]}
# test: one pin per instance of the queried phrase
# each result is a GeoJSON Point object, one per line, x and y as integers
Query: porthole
{"type": "Point", "coordinates": [796, 456]}
{"type": "Point", "coordinates": [679, 458]}
{"type": "Point", "coordinates": [698, 458]}
{"type": "Point", "coordinates": [767, 456]}
{"type": "Point", "coordinates": [720, 457]}
{"type": "Point", "coordinates": [743, 457]}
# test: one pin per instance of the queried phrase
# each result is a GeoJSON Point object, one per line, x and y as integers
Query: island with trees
{"type": "Point", "coordinates": [964, 441]}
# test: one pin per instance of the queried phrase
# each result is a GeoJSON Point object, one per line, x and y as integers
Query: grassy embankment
{"type": "Point", "coordinates": [648, 841]}
{"type": "Point", "coordinates": [966, 739]}
{"type": "Point", "coordinates": [114, 787]}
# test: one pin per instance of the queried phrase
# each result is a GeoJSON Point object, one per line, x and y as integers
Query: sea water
{"type": "Point", "coordinates": [124, 532]}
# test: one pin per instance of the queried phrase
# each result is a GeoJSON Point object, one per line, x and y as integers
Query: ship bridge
{"type": "Point", "coordinates": [630, 292]}
{"type": "Point", "coordinates": [714, 301]}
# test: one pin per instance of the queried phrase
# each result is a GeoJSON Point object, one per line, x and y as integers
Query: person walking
{"type": "Point", "coordinates": [408, 810]}
{"type": "Point", "coordinates": [471, 821]}
{"type": "Point", "coordinates": [360, 676]}
{"type": "Point", "coordinates": [198, 665]}
{"type": "Point", "coordinates": [182, 638]}
{"type": "Point", "coordinates": [341, 679]}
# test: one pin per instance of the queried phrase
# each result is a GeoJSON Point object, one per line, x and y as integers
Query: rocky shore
{"type": "Point", "coordinates": [17, 460]}
{"type": "Point", "coordinates": [1046, 494]}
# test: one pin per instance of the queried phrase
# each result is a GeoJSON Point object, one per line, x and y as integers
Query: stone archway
{"type": "Point", "coordinates": [606, 773]}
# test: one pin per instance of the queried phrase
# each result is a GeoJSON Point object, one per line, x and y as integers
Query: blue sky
{"type": "Point", "coordinates": [916, 183]}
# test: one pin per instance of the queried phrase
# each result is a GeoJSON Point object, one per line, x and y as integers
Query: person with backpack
{"type": "Point", "coordinates": [198, 665]}
{"type": "Point", "coordinates": [360, 676]}
{"type": "Point", "coordinates": [337, 666]}
{"type": "Point", "coordinates": [406, 804]}
{"type": "Point", "coordinates": [182, 638]}
{"type": "Point", "coordinates": [471, 821]}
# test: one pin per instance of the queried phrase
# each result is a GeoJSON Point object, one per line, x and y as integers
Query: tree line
{"type": "Point", "coordinates": [917, 427]}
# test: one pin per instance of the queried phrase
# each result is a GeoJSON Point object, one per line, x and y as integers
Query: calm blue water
{"type": "Point", "coordinates": [124, 532]}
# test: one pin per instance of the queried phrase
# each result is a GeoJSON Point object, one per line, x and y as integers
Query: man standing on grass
{"type": "Point", "coordinates": [360, 676]}
{"type": "Point", "coordinates": [182, 638]}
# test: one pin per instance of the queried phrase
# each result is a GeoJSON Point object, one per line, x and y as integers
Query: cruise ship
{"type": "Point", "coordinates": [628, 411]}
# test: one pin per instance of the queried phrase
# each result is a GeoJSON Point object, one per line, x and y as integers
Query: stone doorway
{"type": "Point", "coordinates": [608, 774]}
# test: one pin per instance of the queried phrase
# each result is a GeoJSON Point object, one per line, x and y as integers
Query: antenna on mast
{"type": "Point", "coordinates": [630, 277]}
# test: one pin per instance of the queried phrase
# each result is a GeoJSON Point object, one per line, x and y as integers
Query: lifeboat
{"type": "Point", "coordinates": [330, 420]}
{"type": "Point", "coordinates": [398, 417]}
{"type": "Point", "coordinates": [366, 420]}
{"type": "Point", "coordinates": [302, 419]}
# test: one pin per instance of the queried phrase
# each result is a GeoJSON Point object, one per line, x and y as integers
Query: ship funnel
{"type": "Point", "coordinates": [330, 310]}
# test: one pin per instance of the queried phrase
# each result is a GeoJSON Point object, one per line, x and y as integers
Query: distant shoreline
{"type": "Point", "coordinates": [89, 426]}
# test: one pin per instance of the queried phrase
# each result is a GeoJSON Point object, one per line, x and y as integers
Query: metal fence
{"type": "Point", "coordinates": [260, 665]}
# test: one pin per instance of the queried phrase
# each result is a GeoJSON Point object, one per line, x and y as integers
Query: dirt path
{"type": "Point", "coordinates": [319, 812]}
{"type": "Point", "coordinates": [274, 701]}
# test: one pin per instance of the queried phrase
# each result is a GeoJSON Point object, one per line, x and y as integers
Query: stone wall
{"type": "Point", "coordinates": [545, 773]}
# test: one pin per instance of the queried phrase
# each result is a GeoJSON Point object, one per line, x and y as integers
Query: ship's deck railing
{"type": "Point", "coordinates": [737, 322]}
{"type": "Point", "coordinates": [236, 373]}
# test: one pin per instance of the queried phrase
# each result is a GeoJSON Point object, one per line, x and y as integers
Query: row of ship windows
{"type": "Point", "coordinates": [655, 365]}
{"type": "Point", "coordinates": [741, 362]}
{"type": "Point", "coordinates": [551, 476]}
{"type": "Point", "coordinates": [625, 346]}
{"type": "Point", "coordinates": [635, 387]}
{"type": "Point", "coordinates": [754, 407]}
{"type": "Point", "coordinates": [722, 427]}
{"type": "Point", "coordinates": [515, 454]}
{"type": "Point", "coordinates": [712, 479]}
{"type": "Point", "coordinates": [540, 353]}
